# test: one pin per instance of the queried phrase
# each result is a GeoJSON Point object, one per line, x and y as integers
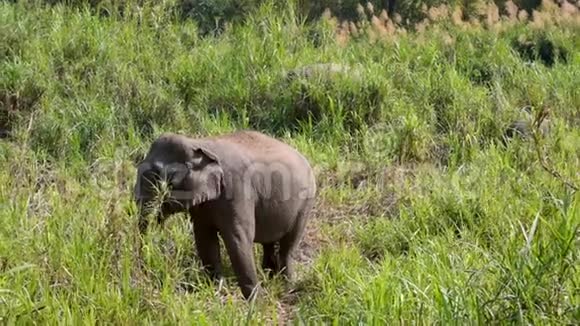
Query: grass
{"type": "Point", "coordinates": [422, 215]}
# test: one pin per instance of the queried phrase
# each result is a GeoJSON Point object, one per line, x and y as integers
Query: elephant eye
{"type": "Point", "coordinates": [176, 172]}
{"type": "Point", "coordinates": [150, 174]}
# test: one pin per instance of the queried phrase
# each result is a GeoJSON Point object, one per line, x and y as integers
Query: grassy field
{"type": "Point", "coordinates": [423, 214]}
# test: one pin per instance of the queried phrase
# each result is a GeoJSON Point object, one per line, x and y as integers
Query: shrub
{"type": "Point", "coordinates": [19, 95]}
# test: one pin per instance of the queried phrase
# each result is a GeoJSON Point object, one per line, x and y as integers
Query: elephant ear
{"type": "Point", "coordinates": [207, 176]}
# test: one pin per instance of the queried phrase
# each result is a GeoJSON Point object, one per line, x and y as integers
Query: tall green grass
{"type": "Point", "coordinates": [423, 214]}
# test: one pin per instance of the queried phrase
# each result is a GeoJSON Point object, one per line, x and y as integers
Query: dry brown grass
{"type": "Point", "coordinates": [381, 28]}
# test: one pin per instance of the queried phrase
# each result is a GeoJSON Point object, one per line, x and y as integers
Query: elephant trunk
{"type": "Point", "coordinates": [143, 224]}
{"type": "Point", "coordinates": [144, 211]}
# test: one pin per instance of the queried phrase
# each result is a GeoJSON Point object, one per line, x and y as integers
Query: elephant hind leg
{"type": "Point", "coordinates": [270, 260]}
{"type": "Point", "coordinates": [291, 240]}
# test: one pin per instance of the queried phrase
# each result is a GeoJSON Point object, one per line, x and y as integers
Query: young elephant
{"type": "Point", "coordinates": [523, 127]}
{"type": "Point", "coordinates": [246, 186]}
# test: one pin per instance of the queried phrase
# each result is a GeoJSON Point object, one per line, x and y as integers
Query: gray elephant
{"type": "Point", "coordinates": [245, 186]}
{"type": "Point", "coordinates": [323, 71]}
{"type": "Point", "coordinates": [523, 126]}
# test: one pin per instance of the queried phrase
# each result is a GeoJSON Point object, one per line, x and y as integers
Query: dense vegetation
{"type": "Point", "coordinates": [424, 211]}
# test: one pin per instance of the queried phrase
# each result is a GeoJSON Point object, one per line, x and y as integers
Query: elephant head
{"type": "Point", "coordinates": [190, 171]}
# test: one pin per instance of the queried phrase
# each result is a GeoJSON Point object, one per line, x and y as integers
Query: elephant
{"type": "Point", "coordinates": [245, 186]}
{"type": "Point", "coordinates": [522, 127]}
{"type": "Point", "coordinates": [323, 71]}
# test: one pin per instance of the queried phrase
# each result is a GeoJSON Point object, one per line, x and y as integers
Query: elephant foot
{"type": "Point", "coordinates": [252, 292]}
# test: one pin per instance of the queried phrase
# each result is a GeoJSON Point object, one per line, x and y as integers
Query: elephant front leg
{"type": "Point", "coordinates": [208, 249]}
{"type": "Point", "coordinates": [239, 243]}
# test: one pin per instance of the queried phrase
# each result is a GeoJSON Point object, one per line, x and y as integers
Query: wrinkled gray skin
{"type": "Point", "coordinates": [245, 186]}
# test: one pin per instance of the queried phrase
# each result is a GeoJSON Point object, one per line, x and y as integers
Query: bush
{"type": "Point", "coordinates": [539, 47]}
{"type": "Point", "coordinates": [20, 94]}
{"type": "Point", "coordinates": [213, 15]}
